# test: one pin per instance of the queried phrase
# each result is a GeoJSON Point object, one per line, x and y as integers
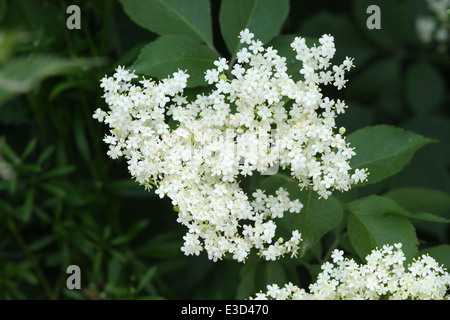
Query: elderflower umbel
{"type": "Point", "coordinates": [228, 134]}
{"type": "Point", "coordinates": [382, 277]}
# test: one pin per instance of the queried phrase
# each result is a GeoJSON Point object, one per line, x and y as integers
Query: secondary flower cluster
{"type": "Point", "coordinates": [382, 277]}
{"type": "Point", "coordinates": [435, 27]}
{"type": "Point", "coordinates": [197, 153]}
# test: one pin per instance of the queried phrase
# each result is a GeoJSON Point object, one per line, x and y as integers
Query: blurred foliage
{"type": "Point", "coordinates": [64, 202]}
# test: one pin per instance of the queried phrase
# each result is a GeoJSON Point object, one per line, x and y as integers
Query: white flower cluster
{"type": "Point", "coordinates": [435, 27]}
{"type": "Point", "coordinates": [382, 277]}
{"type": "Point", "coordinates": [253, 122]}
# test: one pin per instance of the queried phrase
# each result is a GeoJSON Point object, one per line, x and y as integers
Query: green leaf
{"type": "Point", "coordinates": [120, 256]}
{"type": "Point", "coordinates": [263, 18]}
{"type": "Point", "coordinates": [130, 234]}
{"type": "Point", "coordinates": [120, 240]}
{"type": "Point", "coordinates": [375, 221]}
{"type": "Point", "coordinates": [424, 88]}
{"type": "Point", "coordinates": [53, 189]}
{"type": "Point", "coordinates": [318, 217]}
{"type": "Point", "coordinates": [45, 154]}
{"type": "Point", "coordinates": [8, 151]}
{"type": "Point", "coordinates": [384, 150]}
{"type": "Point", "coordinates": [31, 145]}
{"type": "Point", "coordinates": [81, 140]}
{"type": "Point", "coordinates": [435, 127]}
{"type": "Point", "coordinates": [58, 172]}
{"type": "Point", "coordinates": [171, 53]}
{"type": "Point", "coordinates": [246, 286]}
{"type": "Point", "coordinates": [275, 273]}
{"type": "Point", "coordinates": [177, 17]}
{"type": "Point", "coordinates": [26, 274]}
{"type": "Point", "coordinates": [41, 243]}
{"type": "Point", "coordinates": [29, 167]}
{"type": "Point", "coordinates": [147, 278]}
{"type": "Point", "coordinates": [137, 228]}
{"type": "Point", "coordinates": [20, 75]}
{"type": "Point", "coordinates": [429, 167]}
{"type": "Point", "coordinates": [27, 207]}
{"type": "Point", "coordinates": [422, 204]}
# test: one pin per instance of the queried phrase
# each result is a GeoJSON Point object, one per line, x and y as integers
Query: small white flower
{"type": "Point", "coordinates": [221, 64]}
{"type": "Point", "coordinates": [246, 36]}
{"type": "Point", "coordinates": [212, 76]}
{"type": "Point", "coordinates": [99, 115]}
